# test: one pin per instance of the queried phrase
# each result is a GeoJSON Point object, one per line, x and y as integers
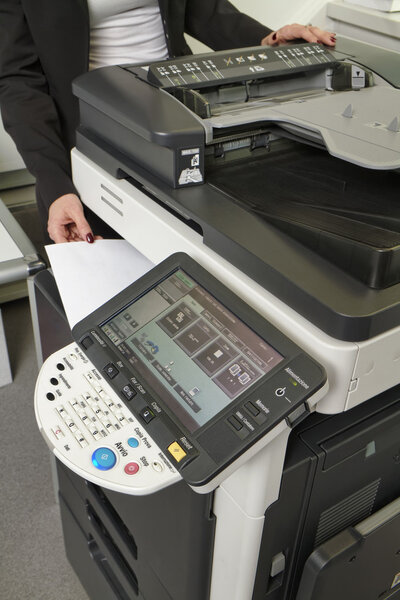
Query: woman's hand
{"type": "Point", "coordinates": [67, 221]}
{"type": "Point", "coordinates": [308, 33]}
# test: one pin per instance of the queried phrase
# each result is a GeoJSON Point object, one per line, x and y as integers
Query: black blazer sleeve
{"type": "Point", "coordinates": [219, 25]}
{"type": "Point", "coordinates": [44, 45]}
{"type": "Point", "coordinates": [28, 111]}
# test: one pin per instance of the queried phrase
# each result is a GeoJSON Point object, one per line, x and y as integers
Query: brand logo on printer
{"type": "Point", "coordinates": [121, 449]}
{"type": "Point", "coordinates": [297, 378]}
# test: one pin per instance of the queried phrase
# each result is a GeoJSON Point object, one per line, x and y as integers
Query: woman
{"type": "Point", "coordinates": [45, 44]}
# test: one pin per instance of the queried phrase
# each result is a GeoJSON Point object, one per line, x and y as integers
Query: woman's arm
{"type": "Point", "coordinates": [219, 25]}
{"type": "Point", "coordinates": [28, 111]}
{"type": "Point", "coordinates": [30, 116]}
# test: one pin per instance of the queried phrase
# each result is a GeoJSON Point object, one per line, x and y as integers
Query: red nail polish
{"type": "Point", "coordinates": [274, 36]}
{"type": "Point", "coordinates": [89, 238]}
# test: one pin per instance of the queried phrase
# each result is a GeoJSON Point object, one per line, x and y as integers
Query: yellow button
{"type": "Point", "coordinates": [176, 451]}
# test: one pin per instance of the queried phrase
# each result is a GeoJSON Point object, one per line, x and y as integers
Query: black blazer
{"type": "Point", "coordinates": [44, 45]}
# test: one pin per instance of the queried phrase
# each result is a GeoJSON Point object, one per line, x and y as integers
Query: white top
{"type": "Point", "coordinates": [125, 31]}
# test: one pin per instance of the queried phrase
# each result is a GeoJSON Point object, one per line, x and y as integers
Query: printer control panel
{"type": "Point", "coordinates": [175, 377]}
{"type": "Point", "coordinates": [201, 372]}
{"type": "Point", "coordinates": [239, 65]}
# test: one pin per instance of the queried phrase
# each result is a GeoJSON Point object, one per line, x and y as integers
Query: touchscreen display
{"type": "Point", "coordinates": [191, 349]}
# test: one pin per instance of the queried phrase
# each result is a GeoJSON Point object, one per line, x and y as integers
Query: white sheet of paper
{"type": "Point", "coordinates": [87, 275]}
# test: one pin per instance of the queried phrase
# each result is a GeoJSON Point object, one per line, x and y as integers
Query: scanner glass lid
{"type": "Point", "coordinates": [191, 347]}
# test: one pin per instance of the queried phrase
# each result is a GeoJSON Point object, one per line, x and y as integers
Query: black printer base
{"type": "Point", "coordinates": [155, 547]}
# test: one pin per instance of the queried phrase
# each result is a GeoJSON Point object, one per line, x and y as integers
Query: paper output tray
{"type": "Point", "coordinates": [345, 213]}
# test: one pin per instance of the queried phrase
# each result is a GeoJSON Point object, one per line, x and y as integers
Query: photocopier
{"type": "Point", "coordinates": [228, 426]}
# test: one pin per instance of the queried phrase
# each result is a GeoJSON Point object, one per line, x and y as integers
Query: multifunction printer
{"type": "Point", "coordinates": [263, 183]}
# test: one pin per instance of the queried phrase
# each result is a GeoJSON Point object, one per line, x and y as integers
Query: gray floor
{"type": "Point", "coordinates": [33, 565]}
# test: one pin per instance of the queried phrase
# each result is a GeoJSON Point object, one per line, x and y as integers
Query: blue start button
{"type": "Point", "coordinates": [103, 459]}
